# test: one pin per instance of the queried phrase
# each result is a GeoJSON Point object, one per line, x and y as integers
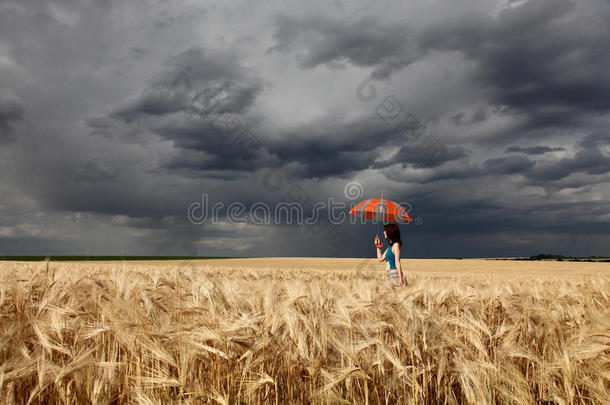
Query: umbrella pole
{"type": "Point", "coordinates": [380, 212]}
{"type": "Point", "coordinates": [377, 235]}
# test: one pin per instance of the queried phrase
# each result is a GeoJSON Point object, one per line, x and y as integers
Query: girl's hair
{"type": "Point", "coordinates": [393, 233]}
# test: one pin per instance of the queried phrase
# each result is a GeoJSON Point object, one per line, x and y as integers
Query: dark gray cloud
{"type": "Point", "coordinates": [210, 124]}
{"type": "Point", "coordinates": [420, 157]}
{"type": "Point", "coordinates": [95, 170]}
{"type": "Point", "coordinates": [197, 82]}
{"type": "Point", "coordinates": [152, 103]}
{"type": "Point", "coordinates": [596, 139]}
{"type": "Point", "coordinates": [508, 165]}
{"type": "Point", "coordinates": [527, 58]}
{"type": "Point", "coordinates": [333, 147]}
{"type": "Point", "coordinates": [546, 58]}
{"type": "Point", "coordinates": [533, 150]}
{"type": "Point", "coordinates": [11, 112]}
{"type": "Point", "coordinates": [590, 161]}
{"type": "Point", "coordinates": [367, 42]}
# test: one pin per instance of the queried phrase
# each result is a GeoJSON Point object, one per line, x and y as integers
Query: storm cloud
{"type": "Point", "coordinates": [489, 121]}
{"type": "Point", "coordinates": [11, 112]}
{"type": "Point", "coordinates": [534, 150]}
{"type": "Point", "coordinates": [367, 42]}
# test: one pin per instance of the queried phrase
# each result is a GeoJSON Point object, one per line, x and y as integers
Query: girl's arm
{"type": "Point", "coordinates": [381, 257]}
{"type": "Point", "coordinates": [396, 250]}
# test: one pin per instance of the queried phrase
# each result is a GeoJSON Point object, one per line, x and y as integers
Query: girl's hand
{"type": "Point", "coordinates": [377, 242]}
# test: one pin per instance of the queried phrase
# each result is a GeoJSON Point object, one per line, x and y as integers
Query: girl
{"type": "Point", "coordinates": [392, 254]}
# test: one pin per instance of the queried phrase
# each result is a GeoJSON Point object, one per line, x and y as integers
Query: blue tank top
{"type": "Point", "coordinates": [390, 258]}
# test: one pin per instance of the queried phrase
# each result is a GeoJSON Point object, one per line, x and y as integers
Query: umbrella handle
{"type": "Point", "coordinates": [380, 244]}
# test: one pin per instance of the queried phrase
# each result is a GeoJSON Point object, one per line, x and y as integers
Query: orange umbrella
{"type": "Point", "coordinates": [381, 210]}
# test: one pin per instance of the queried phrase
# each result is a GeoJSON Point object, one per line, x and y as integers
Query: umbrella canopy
{"type": "Point", "coordinates": [381, 209]}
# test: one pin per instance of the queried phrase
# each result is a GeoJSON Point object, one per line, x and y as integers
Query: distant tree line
{"type": "Point", "coordinates": [561, 258]}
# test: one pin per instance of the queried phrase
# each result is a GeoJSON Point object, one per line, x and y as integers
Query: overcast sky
{"type": "Point", "coordinates": [116, 116]}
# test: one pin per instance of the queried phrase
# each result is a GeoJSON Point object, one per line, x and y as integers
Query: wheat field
{"type": "Point", "coordinates": [299, 331]}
